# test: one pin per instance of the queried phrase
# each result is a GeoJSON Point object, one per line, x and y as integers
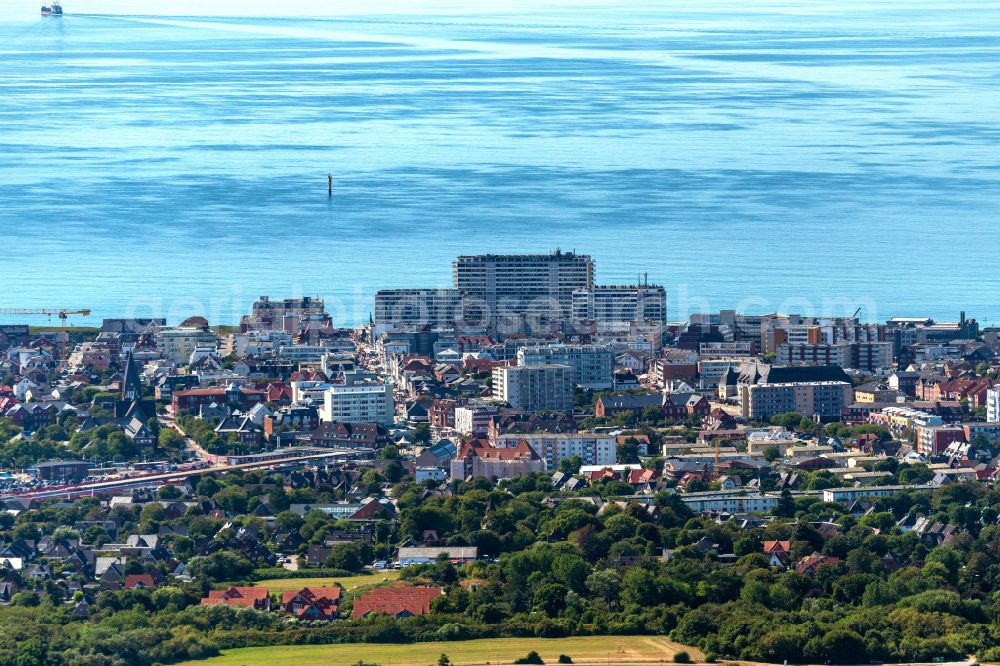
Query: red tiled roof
{"type": "Point", "coordinates": [777, 546]}
{"type": "Point", "coordinates": [813, 562]}
{"type": "Point", "coordinates": [640, 475]}
{"type": "Point", "coordinates": [481, 448]}
{"type": "Point", "coordinates": [396, 600]}
{"type": "Point", "coordinates": [313, 593]}
{"type": "Point", "coordinates": [311, 601]}
{"type": "Point", "coordinates": [623, 439]}
{"type": "Point", "coordinates": [139, 580]}
{"type": "Point", "coordinates": [247, 597]}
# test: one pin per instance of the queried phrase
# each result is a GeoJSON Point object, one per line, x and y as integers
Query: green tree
{"type": "Point", "coordinates": [550, 598]}
{"type": "Point", "coordinates": [628, 454]}
{"type": "Point", "coordinates": [786, 505]}
{"type": "Point", "coordinates": [422, 434]}
{"type": "Point", "coordinates": [570, 465]}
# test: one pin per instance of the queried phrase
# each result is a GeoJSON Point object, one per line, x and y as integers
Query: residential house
{"type": "Point", "coordinates": [399, 602]}
{"type": "Point", "coordinates": [256, 598]}
{"type": "Point", "coordinates": [312, 603]}
{"type": "Point", "coordinates": [778, 553]}
{"type": "Point", "coordinates": [811, 563]}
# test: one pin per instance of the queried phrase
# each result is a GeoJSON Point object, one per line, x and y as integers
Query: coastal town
{"type": "Point", "coordinates": [526, 453]}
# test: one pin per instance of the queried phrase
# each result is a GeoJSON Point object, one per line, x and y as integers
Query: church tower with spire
{"type": "Point", "coordinates": [131, 386]}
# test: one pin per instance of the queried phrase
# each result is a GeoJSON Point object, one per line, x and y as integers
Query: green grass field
{"type": "Point", "coordinates": [586, 650]}
{"type": "Point", "coordinates": [279, 585]}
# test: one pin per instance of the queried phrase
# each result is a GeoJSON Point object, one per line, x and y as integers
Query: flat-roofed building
{"type": "Point", "coordinates": [592, 448]}
{"type": "Point", "coordinates": [361, 401]}
{"type": "Point", "coordinates": [535, 284]}
{"type": "Point", "coordinates": [993, 405]}
{"type": "Point", "coordinates": [592, 364]}
{"type": "Point", "coordinates": [609, 304]}
{"type": "Point", "coordinates": [823, 400]}
{"type": "Point", "coordinates": [63, 470]}
{"type": "Point", "coordinates": [417, 308]}
{"type": "Point", "coordinates": [535, 387]}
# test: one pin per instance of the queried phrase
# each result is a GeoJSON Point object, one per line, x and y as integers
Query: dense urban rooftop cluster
{"type": "Point", "coordinates": [762, 487]}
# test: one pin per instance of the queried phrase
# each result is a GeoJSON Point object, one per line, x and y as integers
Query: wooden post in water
{"type": "Point", "coordinates": [329, 184]}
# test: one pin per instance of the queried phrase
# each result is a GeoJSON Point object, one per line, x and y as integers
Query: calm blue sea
{"type": "Point", "coordinates": [807, 157]}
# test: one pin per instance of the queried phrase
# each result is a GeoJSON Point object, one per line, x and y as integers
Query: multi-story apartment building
{"type": "Point", "coordinates": [993, 405]}
{"type": "Point", "coordinates": [934, 439]}
{"type": "Point", "coordinates": [535, 387]}
{"type": "Point", "coordinates": [904, 419]}
{"type": "Point", "coordinates": [533, 284]}
{"type": "Point", "coordinates": [265, 308]}
{"type": "Point", "coordinates": [742, 349]}
{"type": "Point", "coordinates": [733, 325]}
{"type": "Point", "coordinates": [592, 448]}
{"type": "Point", "coordinates": [417, 308]}
{"type": "Point", "coordinates": [592, 365]}
{"type": "Point", "coordinates": [510, 294]}
{"type": "Point", "coordinates": [989, 431]}
{"type": "Point", "coordinates": [842, 341]}
{"type": "Point", "coordinates": [823, 400]}
{"type": "Point", "coordinates": [474, 418]}
{"type": "Point", "coordinates": [904, 332]}
{"type": "Point", "coordinates": [179, 342]}
{"type": "Point", "coordinates": [359, 400]}
{"type": "Point", "coordinates": [290, 314]}
{"type": "Point", "coordinates": [260, 343]}
{"type": "Point", "coordinates": [611, 305]}
{"type": "Point", "coordinates": [867, 356]}
{"type": "Point", "coordinates": [674, 364]}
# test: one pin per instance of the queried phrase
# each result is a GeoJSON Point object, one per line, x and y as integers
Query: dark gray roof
{"type": "Point", "coordinates": [761, 373]}
{"type": "Point", "coordinates": [631, 401]}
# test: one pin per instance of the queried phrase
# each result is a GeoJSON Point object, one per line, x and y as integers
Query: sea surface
{"type": "Point", "coordinates": [812, 157]}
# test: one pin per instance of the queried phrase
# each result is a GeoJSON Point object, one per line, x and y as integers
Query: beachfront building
{"type": "Point", "coordinates": [417, 308]}
{"type": "Point", "coordinates": [540, 285]}
{"type": "Point", "coordinates": [178, 343]}
{"type": "Point", "coordinates": [616, 305]}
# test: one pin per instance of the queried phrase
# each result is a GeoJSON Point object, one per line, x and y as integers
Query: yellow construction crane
{"type": "Point", "coordinates": [62, 313]}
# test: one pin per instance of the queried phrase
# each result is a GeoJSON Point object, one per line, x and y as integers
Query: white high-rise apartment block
{"type": "Point", "coordinates": [402, 308]}
{"type": "Point", "coordinates": [535, 387]}
{"type": "Point", "coordinates": [362, 401]}
{"type": "Point", "coordinates": [993, 405]}
{"type": "Point", "coordinates": [608, 304]}
{"type": "Point", "coordinates": [536, 284]}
